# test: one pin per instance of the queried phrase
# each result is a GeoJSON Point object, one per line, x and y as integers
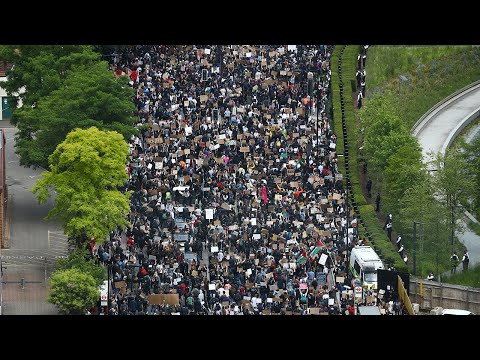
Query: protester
{"type": "Point", "coordinates": [237, 205]}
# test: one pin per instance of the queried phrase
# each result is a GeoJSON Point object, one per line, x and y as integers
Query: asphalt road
{"type": "Point", "coordinates": [433, 133]}
{"type": "Point", "coordinates": [29, 244]}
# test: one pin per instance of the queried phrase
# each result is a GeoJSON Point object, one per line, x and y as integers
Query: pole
{"type": "Point", "coordinates": [453, 222]}
{"type": "Point", "coordinates": [108, 289]}
{"type": "Point", "coordinates": [414, 247]}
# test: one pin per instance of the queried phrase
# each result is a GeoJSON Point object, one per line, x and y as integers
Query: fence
{"type": "Point", "coordinates": [430, 294]}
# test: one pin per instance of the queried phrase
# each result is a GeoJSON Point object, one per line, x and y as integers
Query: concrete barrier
{"type": "Point", "coordinates": [460, 126]}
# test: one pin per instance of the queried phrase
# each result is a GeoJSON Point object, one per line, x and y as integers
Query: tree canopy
{"type": "Point", "coordinates": [85, 171]}
{"type": "Point", "coordinates": [42, 69]}
{"type": "Point", "coordinates": [73, 291]}
{"type": "Point", "coordinates": [80, 260]}
{"type": "Point", "coordinates": [89, 96]}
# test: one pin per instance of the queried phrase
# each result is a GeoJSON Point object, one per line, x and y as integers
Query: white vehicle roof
{"type": "Point", "coordinates": [456, 312]}
{"type": "Point", "coordinates": [365, 254]}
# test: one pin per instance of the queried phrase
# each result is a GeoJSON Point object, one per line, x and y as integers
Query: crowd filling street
{"type": "Point", "coordinates": [237, 204]}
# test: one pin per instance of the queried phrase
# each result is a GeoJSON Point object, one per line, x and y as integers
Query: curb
{"type": "Point", "coordinates": [421, 123]}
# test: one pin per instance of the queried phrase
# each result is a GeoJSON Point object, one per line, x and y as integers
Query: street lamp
{"type": "Point", "coordinates": [452, 206]}
{"type": "Point", "coordinates": [415, 245]}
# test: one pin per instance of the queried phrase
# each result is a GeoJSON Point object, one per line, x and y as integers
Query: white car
{"type": "Point", "coordinates": [456, 312]}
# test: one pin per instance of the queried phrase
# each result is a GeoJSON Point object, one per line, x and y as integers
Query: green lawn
{"type": "Point", "coordinates": [471, 277]}
{"type": "Point", "coordinates": [387, 62]}
{"type": "Point", "coordinates": [427, 84]}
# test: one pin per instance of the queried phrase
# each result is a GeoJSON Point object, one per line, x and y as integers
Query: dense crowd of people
{"type": "Point", "coordinates": [237, 204]}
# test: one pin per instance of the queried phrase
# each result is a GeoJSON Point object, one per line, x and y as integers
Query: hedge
{"type": "Point", "coordinates": [365, 212]}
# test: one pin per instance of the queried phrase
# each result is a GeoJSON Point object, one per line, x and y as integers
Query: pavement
{"type": "Point", "coordinates": [28, 245]}
{"type": "Point", "coordinates": [436, 132]}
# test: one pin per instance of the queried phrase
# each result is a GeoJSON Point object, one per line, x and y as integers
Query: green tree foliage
{"type": "Point", "coordinates": [472, 157]}
{"type": "Point", "coordinates": [453, 183]}
{"type": "Point", "coordinates": [404, 169]}
{"type": "Point", "coordinates": [42, 68]}
{"type": "Point", "coordinates": [419, 204]}
{"type": "Point", "coordinates": [89, 96]}
{"type": "Point", "coordinates": [73, 291]}
{"type": "Point", "coordinates": [85, 171]}
{"type": "Point", "coordinates": [80, 260]}
{"type": "Point", "coordinates": [384, 133]}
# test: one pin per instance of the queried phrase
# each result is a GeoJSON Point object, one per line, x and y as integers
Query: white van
{"type": "Point", "coordinates": [364, 263]}
{"type": "Point", "coordinates": [456, 312]}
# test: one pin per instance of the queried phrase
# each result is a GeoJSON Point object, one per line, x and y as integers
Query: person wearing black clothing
{"type": "Point", "coordinates": [389, 226]}
{"type": "Point", "coordinates": [465, 260]}
{"type": "Point", "coordinates": [369, 187]}
{"type": "Point", "coordinates": [377, 203]}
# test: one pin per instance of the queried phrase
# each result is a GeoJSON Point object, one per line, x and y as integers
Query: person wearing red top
{"type": "Point", "coordinates": [183, 288]}
{"type": "Point", "coordinates": [143, 271]}
{"type": "Point", "coordinates": [134, 75]}
{"type": "Point", "coordinates": [351, 310]}
{"type": "Point", "coordinates": [130, 241]}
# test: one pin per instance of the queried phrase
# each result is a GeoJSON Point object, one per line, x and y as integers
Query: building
{"type": "Point", "coordinates": [6, 112]}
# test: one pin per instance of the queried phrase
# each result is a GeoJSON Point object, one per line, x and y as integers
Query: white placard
{"type": "Point", "coordinates": [323, 259]}
{"type": "Point", "coordinates": [188, 130]}
{"type": "Point", "coordinates": [269, 300]}
{"type": "Point", "coordinates": [207, 51]}
{"type": "Point", "coordinates": [331, 301]}
{"type": "Point", "coordinates": [209, 214]}
{"type": "Point", "coordinates": [257, 236]}
{"type": "Point", "coordinates": [253, 221]}
{"type": "Point", "coordinates": [214, 249]}
{"type": "Point", "coordinates": [248, 272]}
{"type": "Point", "coordinates": [292, 47]}
{"type": "Point", "coordinates": [211, 286]}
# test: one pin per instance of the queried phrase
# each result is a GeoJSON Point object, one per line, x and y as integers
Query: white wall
{"type": "Point", "coordinates": [3, 93]}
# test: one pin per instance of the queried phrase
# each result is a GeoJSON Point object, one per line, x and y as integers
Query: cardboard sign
{"type": "Point", "coordinates": [160, 299]}
{"type": "Point", "coordinates": [120, 284]}
{"type": "Point", "coordinates": [203, 98]}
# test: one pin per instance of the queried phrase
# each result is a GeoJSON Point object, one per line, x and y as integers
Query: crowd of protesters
{"type": "Point", "coordinates": [237, 205]}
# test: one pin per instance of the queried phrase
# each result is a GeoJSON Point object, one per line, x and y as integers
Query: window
{"type": "Point", "coordinates": [357, 268]}
{"type": "Point", "coordinates": [370, 277]}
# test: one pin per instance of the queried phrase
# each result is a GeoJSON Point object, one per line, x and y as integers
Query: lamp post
{"type": "Point", "coordinates": [415, 245]}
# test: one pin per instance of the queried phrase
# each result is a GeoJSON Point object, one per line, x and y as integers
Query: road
{"type": "Point", "coordinates": [434, 134]}
{"type": "Point", "coordinates": [29, 244]}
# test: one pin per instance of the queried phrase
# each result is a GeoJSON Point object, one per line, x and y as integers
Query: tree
{"type": "Point", "coordinates": [41, 69]}
{"type": "Point", "coordinates": [383, 138]}
{"type": "Point", "coordinates": [404, 170]}
{"type": "Point", "coordinates": [89, 96]}
{"type": "Point", "coordinates": [85, 171]}
{"type": "Point", "coordinates": [472, 158]}
{"type": "Point", "coordinates": [453, 184]}
{"type": "Point", "coordinates": [420, 205]}
{"type": "Point", "coordinates": [73, 291]}
{"type": "Point", "coordinates": [80, 260]}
